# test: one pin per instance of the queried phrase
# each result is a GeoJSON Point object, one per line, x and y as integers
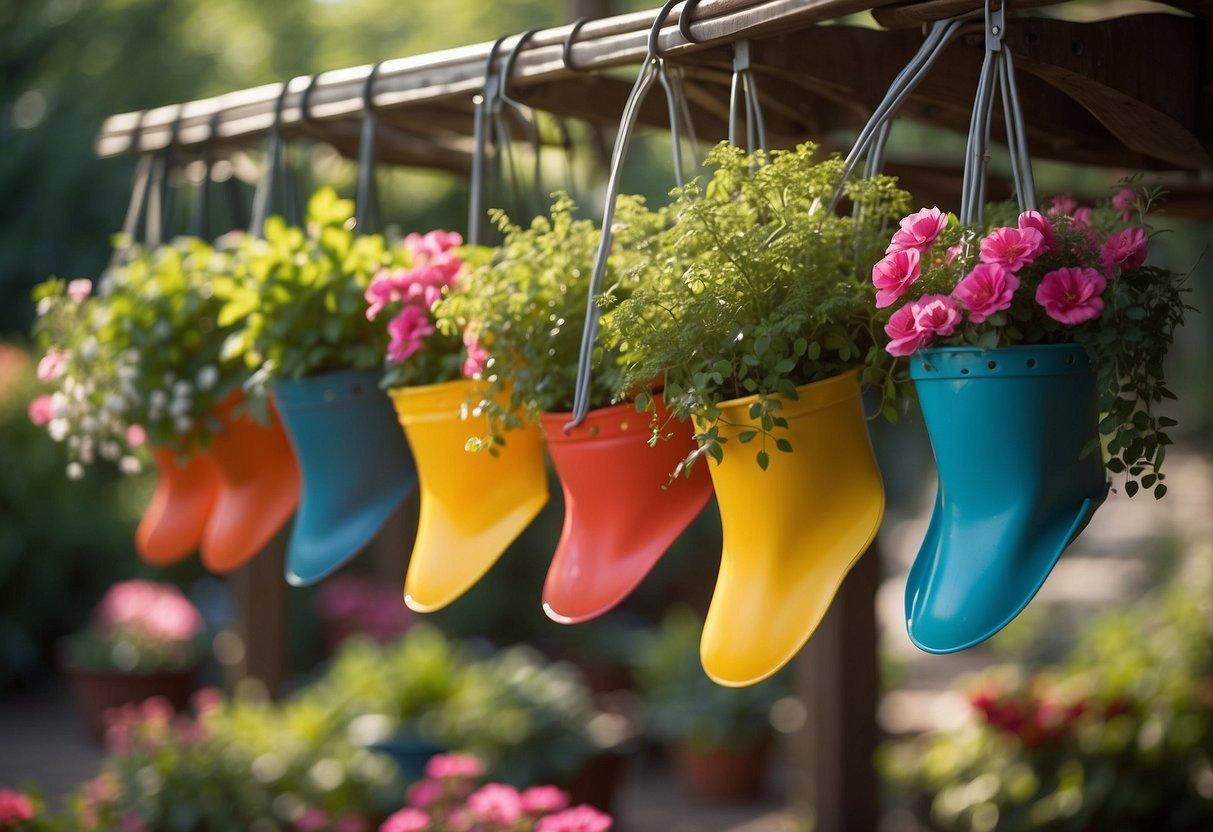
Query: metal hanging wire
{"type": "Point", "coordinates": [743, 92]}
{"type": "Point", "coordinates": [275, 169]}
{"type": "Point", "coordinates": [366, 196]}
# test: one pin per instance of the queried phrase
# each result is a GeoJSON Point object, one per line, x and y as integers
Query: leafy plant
{"type": "Point", "coordinates": [140, 358]}
{"type": "Point", "coordinates": [525, 304]}
{"type": "Point", "coordinates": [1077, 275]}
{"type": "Point", "coordinates": [300, 292]}
{"type": "Point", "coordinates": [757, 292]}
{"type": "Point", "coordinates": [1116, 737]}
{"type": "Point", "coordinates": [685, 705]}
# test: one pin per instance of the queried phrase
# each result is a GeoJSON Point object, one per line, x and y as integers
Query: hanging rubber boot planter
{"type": "Point", "coordinates": [355, 465]}
{"type": "Point", "coordinates": [171, 527]}
{"type": "Point", "coordinates": [791, 532]}
{"type": "Point", "coordinates": [619, 514]}
{"type": "Point", "coordinates": [258, 487]}
{"type": "Point", "coordinates": [1008, 428]}
{"type": "Point", "coordinates": [473, 505]}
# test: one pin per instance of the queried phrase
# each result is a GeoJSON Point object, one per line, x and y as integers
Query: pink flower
{"type": "Point", "coordinates": [918, 230]}
{"type": "Point", "coordinates": [544, 799]}
{"type": "Point", "coordinates": [1125, 250]}
{"type": "Point", "coordinates": [1071, 295]}
{"type": "Point", "coordinates": [477, 358]}
{"type": "Point", "coordinates": [40, 410]}
{"type": "Point", "coordinates": [408, 330]}
{"type": "Point", "coordinates": [1013, 248]}
{"type": "Point", "coordinates": [131, 821]}
{"type": "Point", "coordinates": [14, 807]}
{"type": "Point", "coordinates": [351, 823]}
{"type": "Point", "coordinates": [378, 294]}
{"type": "Point", "coordinates": [442, 766]}
{"type": "Point", "coordinates": [935, 315]}
{"type": "Point", "coordinates": [156, 710]}
{"type": "Point", "coordinates": [51, 366]}
{"type": "Point", "coordinates": [79, 289]}
{"type": "Point", "coordinates": [953, 252]}
{"type": "Point", "coordinates": [424, 284]}
{"type": "Point", "coordinates": [986, 290]}
{"type": "Point", "coordinates": [313, 819]}
{"type": "Point", "coordinates": [904, 336]}
{"type": "Point", "coordinates": [156, 611]}
{"type": "Point", "coordinates": [433, 244]}
{"type": "Point", "coordinates": [893, 275]}
{"type": "Point", "coordinates": [1081, 218]}
{"type": "Point", "coordinates": [207, 700]}
{"type": "Point", "coordinates": [1062, 205]}
{"type": "Point", "coordinates": [406, 820]}
{"type": "Point", "coordinates": [1125, 201]}
{"type": "Point", "coordinates": [578, 819]}
{"type": "Point", "coordinates": [496, 803]}
{"type": "Point", "coordinates": [1038, 221]}
{"type": "Point", "coordinates": [425, 793]}
{"type": "Point", "coordinates": [136, 436]}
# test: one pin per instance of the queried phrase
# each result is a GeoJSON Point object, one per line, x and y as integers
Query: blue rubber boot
{"type": "Point", "coordinates": [355, 462]}
{"type": "Point", "coordinates": [1008, 428]}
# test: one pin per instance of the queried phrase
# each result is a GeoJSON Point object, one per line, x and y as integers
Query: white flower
{"type": "Point", "coordinates": [130, 357]}
{"type": "Point", "coordinates": [127, 372]}
{"type": "Point", "coordinates": [101, 317]}
{"type": "Point", "coordinates": [183, 390]}
{"type": "Point", "coordinates": [44, 306]}
{"type": "Point", "coordinates": [208, 376]}
{"type": "Point", "coordinates": [58, 406]}
{"type": "Point", "coordinates": [183, 424]}
{"type": "Point", "coordinates": [88, 350]}
{"type": "Point", "coordinates": [75, 471]}
{"type": "Point", "coordinates": [88, 424]}
{"type": "Point", "coordinates": [157, 399]}
{"type": "Point", "coordinates": [110, 450]}
{"type": "Point", "coordinates": [115, 403]}
{"type": "Point", "coordinates": [58, 429]}
{"type": "Point", "coordinates": [129, 465]}
{"type": "Point", "coordinates": [86, 451]}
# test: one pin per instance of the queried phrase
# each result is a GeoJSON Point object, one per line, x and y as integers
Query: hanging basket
{"type": "Point", "coordinates": [171, 527]}
{"type": "Point", "coordinates": [619, 515]}
{"type": "Point", "coordinates": [791, 532]}
{"type": "Point", "coordinates": [473, 505]}
{"type": "Point", "coordinates": [258, 487]}
{"type": "Point", "coordinates": [355, 464]}
{"type": "Point", "coordinates": [1008, 428]}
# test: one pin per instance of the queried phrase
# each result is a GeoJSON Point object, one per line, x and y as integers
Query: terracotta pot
{"type": "Point", "coordinates": [258, 487]}
{"type": "Point", "coordinates": [172, 525]}
{"type": "Point", "coordinates": [722, 773]}
{"type": "Point", "coordinates": [473, 505]}
{"type": "Point", "coordinates": [621, 512]}
{"type": "Point", "coordinates": [97, 691]}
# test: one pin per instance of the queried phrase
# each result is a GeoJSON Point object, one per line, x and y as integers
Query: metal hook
{"type": "Point", "coordinates": [305, 101]}
{"type": "Point", "coordinates": [566, 51]}
{"type": "Point", "coordinates": [159, 202]}
{"type": "Point", "coordinates": [655, 31]}
{"type": "Point", "coordinates": [200, 211]}
{"type": "Point", "coordinates": [684, 21]}
{"type": "Point", "coordinates": [273, 152]}
{"type": "Point", "coordinates": [522, 112]}
{"type": "Point", "coordinates": [366, 211]}
{"type": "Point", "coordinates": [483, 104]}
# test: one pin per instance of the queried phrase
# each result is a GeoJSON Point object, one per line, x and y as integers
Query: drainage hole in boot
{"type": "Point", "coordinates": [1069, 359]}
{"type": "Point", "coordinates": [1031, 363]}
{"type": "Point", "coordinates": [964, 371]}
{"type": "Point", "coordinates": [993, 365]}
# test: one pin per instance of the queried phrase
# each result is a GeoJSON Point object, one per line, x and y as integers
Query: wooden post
{"type": "Point", "coordinates": [256, 644]}
{"type": "Point", "coordinates": [837, 676]}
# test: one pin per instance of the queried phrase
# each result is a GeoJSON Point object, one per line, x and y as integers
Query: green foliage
{"type": "Point", "coordinates": [61, 542]}
{"type": "Point", "coordinates": [685, 705]}
{"type": "Point", "coordinates": [757, 289]}
{"type": "Point", "coordinates": [300, 290]}
{"type": "Point", "coordinates": [1120, 736]}
{"type": "Point", "coordinates": [527, 305]}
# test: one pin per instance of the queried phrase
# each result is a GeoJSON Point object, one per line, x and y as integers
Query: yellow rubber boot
{"type": "Point", "coordinates": [791, 532]}
{"type": "Point", "coordinates": [473, 505]}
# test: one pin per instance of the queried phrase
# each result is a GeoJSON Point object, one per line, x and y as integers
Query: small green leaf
{"type": "Point", "coordinates": [763, 460]}
{"type": "Point", "coordinates": [746, 436]}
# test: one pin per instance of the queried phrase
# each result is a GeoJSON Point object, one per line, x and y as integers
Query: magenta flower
{"type": "Point", "coordinates": [207, 700]}
{"type": "Point", "coordinates": [1071, 295]}
{"type": "Point", "coordinates": [544, 799]}
{"type": "Point", "coordinates": [1062, 205]}
{"type": "Point", "coordinates": [581, 818]}
{"type": "Point", "coordinates": [313, 819]}
{"type": "Point", "coordinates": [432, 245]}
{"type": "Point", "coordinates": [408, 330]}
{"type": "Point", "coordinates": [904, 336]}
{"type": "Point", "coordinates": [1081, 218]}
{"type": "Point", "coordinates": [351, 823]}
{"type": "Point", "coordinates": [935, 315]}
{"type": "Point", "coordinates": [496, 803]}
{"type": "Point", "coordinates": [1038, 221]}
{"type": "Point", "coordinates": [1012, 248]}
{"type": "Point", "coordinates": [986, 290]}
{"type": "Point", "coordinates": [478, 356]}
{"type": "Point", "coordinates": [40, 410]}
{"type": "Point", "coordinates": [79, 289]}
{"type": "Point", "coordinates": [406, 820]}
{"type": "Point", "coordinates": [443, 766]}
{"type": "Point", "coordinates": [918, 230]}
{"type": "Point", "coordinates": [1125, 201]}
{"type": "Point", "coordinates": [1125, 250]}
{"type": "Point", "coordinates": [155, 611]}
{"type": "Point", "coordinates": [953, 252]}
{"type": "Point", "coordinates": [14, 808]}
{"type": "Point", "coordinates": [424, 284]}
{"type": "Point", "coordinates": [51, 366]}
{"type": "Point", "coordinates": [379, 293]}
{"type": "Point", "coordinates": [425, 793]}
{"type": "Point", "coordinates": [131, 821]}
{"type": "Point", "coordinates": [893, 275]}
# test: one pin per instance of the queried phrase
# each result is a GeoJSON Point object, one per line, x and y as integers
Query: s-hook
{"type": "Point", "coordinates": [366, 197]}
{"type": "Point", "coordinates": [264, 195]}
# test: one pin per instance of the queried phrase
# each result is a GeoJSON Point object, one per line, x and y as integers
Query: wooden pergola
{"type": "Point", "coordinates": [1130, 87]}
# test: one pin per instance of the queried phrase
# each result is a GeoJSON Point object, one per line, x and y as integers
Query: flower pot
{"type": "Point", "coordinates": [619, 515]}
{"type": "Point", "coordinates": [171, 527]}
{"type": "Point", "coordinates": [409, 753]}
{"type": "Point", "coordinates": [722, 773]}
{"type": "Point", "coordinates": [473, 505]}
{"type": "Point", "coordinates": [355, 465]}
{"type": "Point", "coordinates": [98, 691]}
{"type": "Point", "coordinates": [791, 532]}
{"type": "Point", "coordinates": [258, 487]}
{"type": "Point", "coordinates": [1008, 428]}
